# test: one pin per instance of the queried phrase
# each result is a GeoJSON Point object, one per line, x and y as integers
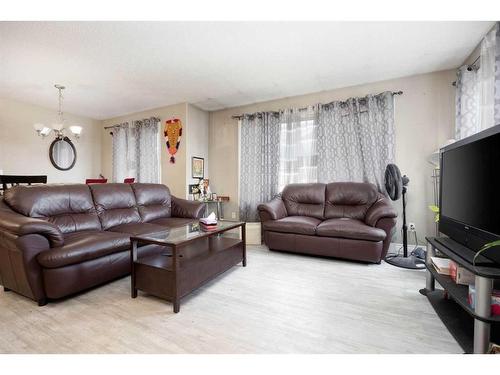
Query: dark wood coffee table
{"type": "Point", "coordinates": [192, 257]}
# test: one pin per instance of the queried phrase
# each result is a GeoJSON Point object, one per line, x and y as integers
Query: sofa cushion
{"type": "Point", "coordinates": [304, 200]}
{"type": "Point", "coordinates": [349, 199]}
{"type": "Point", "coordinates": [293, 224]}
{"type": "Point", "coordinates": [346, 248]}
{"type": "Point", "coordinates": [69, 207]}
{"type": "Point", "coordinates": [138, 229]}
{"type": "Point", "coordinates": [82, 246]}
{"type": "Point", "coordinates": [349, 228]}
{"type": "Point", "coordinates": [153, 201]}
{"type": "Point", "coordinates": [172, 222]}
{"type": "Point", "coordinates": [115, 204]}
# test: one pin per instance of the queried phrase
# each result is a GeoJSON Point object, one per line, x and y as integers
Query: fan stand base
{"type": "Point", "coordinates": [411, 262]}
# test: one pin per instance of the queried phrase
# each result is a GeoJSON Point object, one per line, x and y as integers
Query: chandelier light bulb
{"type": "Point", "coordinates": [45, 131]}
{"type": "Point", "coordinates": [76, 130]}
{"type": "Point", "coordinates": [58, 126]}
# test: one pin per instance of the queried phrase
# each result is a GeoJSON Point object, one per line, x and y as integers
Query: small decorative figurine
{"type": "Point", "coordinates": [204, 187]}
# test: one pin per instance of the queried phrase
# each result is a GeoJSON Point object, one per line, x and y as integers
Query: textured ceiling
{"type": "Point", "coordinates": [115, 68]}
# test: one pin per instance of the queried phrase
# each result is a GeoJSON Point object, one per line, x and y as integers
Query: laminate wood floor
{"type": "Point", "coordinates": [279, 303]}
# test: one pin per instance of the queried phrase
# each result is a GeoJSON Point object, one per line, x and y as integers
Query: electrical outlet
{"type": "Point", "coordinates": [233, 215]}
{"type": "Point", "coordinates": [412, 227]}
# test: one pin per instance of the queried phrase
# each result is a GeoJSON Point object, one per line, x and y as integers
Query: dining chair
{"type": "Point", "coordinates": [14, 180]}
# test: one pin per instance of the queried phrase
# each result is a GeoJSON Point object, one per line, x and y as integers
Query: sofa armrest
{"type": "Point", "coordinates": [187, 209]}
{"type": "Point", "coordinates": [21, 225]}
{"type": "Point", "coordinates": [272, 210]}
{"type": "Point", "coordinates": [388, 225]}
{"type": "Point", "coordinates": [382, 208]}
{"type": "Point", "coordinates": [23, 273]}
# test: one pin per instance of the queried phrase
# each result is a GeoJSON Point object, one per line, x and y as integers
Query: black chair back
{"type": "Point", "coordinates": [13, 180]}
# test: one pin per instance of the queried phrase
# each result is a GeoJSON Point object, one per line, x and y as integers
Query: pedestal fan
{"type": "Point", "coordinates": [396, 187]}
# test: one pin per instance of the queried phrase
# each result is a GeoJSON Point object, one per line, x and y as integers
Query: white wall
{"type": "Point", "coordinates": [23, 152]}
{"type": "Point", "coordinates": [196, 138]}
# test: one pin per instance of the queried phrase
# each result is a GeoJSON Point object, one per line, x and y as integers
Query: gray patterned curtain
{"type": "Point", "coordinates": [147, 150]}
{"type": "Point", "coordinates": [356, 139]}
{"type": "Point", "coordinates": [497, 74]}
{"type": "Point", "coordinates": [259, 162]}
{"type": "Point", "coordinates": [467, 114]}
{"type": "Point", "coordinates": [136, 151]}
{"type": "Point", "coordinates": [478, 89]}
{"type": "Point", "coordinates": [121, 137]}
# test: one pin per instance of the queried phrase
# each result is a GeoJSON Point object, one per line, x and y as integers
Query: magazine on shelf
{"type": "Point", "coordinates": [442, 265]}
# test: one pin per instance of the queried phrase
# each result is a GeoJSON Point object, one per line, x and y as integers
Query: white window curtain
{"type": "Point", "coordinates": [478, 89]}
{"type": "Point", "coordinates": [136, 151]}
{"type": "Point", "coordinates": [298, 157]}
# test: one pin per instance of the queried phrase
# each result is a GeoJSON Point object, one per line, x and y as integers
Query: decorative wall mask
{"type": "Point", "coordinates": [173, 134]}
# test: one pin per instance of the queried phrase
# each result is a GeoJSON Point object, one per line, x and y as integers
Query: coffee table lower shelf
{"type": "Point", "coordinates": [174, 273]}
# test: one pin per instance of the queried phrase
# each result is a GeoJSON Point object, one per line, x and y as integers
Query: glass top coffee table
{"type": "Point", "coordinates": [192, 256]}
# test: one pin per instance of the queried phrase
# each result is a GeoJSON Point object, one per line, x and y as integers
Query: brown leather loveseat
{"type": "Point", "coordinates": [56, 240]}
{"type": "Point", "coordinates": [341, 219]}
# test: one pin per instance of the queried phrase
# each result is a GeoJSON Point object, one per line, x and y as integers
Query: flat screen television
{"type": "Point", "coordinates": [470, 191]}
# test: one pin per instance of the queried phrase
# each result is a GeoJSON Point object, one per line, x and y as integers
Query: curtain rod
{"type": "Point", "coordinates": [301, 109]}
{"type": "Point", "coordinates": [117, 125]}
{"type": "Point", "coordinates": [126, 122]}
{"type": "Point", "coordinates": [470, 67]}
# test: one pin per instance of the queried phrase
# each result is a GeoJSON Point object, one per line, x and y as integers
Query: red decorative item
{"type": "Point", "coordinates": [173, 134]}
{"type": "Point", "coordinates": [96, 181]}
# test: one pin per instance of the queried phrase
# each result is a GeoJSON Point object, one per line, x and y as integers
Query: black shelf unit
{"type": "Point", "coordinates": [459, 294]}
{"type": "Point", "coordinates": [452, 306]}
{"type": "Point", "coordinates": [458, 322]}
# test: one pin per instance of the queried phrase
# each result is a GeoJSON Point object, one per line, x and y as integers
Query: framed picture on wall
{"type": "Point", "coordinates": [197, 167]}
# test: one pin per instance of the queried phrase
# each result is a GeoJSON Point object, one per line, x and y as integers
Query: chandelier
{"type": "Point", "coordinates": [59, 127]}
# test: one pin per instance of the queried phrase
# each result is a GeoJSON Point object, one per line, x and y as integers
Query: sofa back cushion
{"type": "Point", "coordinates": [304, 200]}
{"type": "Point", "coordinates": [115, 204]}
{"type": "Point", "coordinates": [69, 207]}
{"type": "Point", "coordinates": [349, 199]}
{"type": "Point", "coordinates": [153, 201]}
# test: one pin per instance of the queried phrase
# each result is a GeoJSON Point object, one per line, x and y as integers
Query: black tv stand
{"type": "Point", "coordinates": [454, 315]}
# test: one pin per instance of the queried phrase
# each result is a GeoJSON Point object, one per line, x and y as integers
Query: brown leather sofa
{"type": "Point", "coordinates": [56, 240]}
{"type": "Point", "coordinates": [341, 219]}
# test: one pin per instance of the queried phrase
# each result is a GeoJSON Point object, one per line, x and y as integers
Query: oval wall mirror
{"type": "Point", "coordinates": [62, 153]}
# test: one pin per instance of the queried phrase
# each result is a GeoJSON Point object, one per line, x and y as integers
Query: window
{"type": "Point", "coordinates": [298, 154]}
